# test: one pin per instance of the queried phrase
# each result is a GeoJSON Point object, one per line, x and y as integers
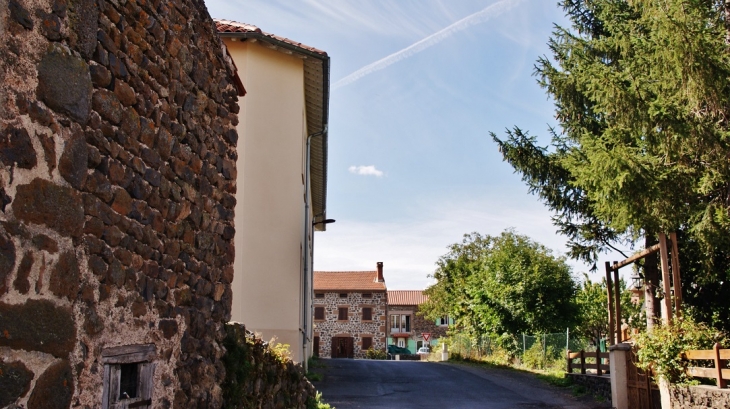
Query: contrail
{"type": "Point", "coordinates": [473, 19]}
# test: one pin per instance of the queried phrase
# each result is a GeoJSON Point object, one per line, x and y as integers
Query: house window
{"type": "Point", "coordinates": [367, 342]}
{"type": "Point", "coordinates": [318, 313]}
{"type": "Point", "coordinates": [342, 314]}
{"type": "Point", "coordinates": [316, 346]}
{"type": "Point", "coordinates": [343, 295]}
{"type": "Point", "coordinates": [367, 314]}
{"type": "Point", "coordinates": [319, 295]}
{"type": "Point", "coordinates": [367, 295]}
{"type": "Point", "coordinates": [128, 376]}
{"type": "Point", "coordinates": [401, 342]}
{"type": "Point", "coordinates": [442, 322]}
{"type": "Point", "coordinates": [400, 323]}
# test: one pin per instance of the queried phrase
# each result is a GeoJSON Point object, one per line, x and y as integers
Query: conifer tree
{"type": "Point", "coordinates": [642, 98]}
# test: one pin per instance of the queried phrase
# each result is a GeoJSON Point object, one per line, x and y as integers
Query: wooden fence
{"type": "Point", "coordinates": [720, 372]}
{"type": "Point", "coordinates": [598, 365]}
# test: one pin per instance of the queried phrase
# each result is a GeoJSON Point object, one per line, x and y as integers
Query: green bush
{"type": "Point", "coordinates": [316, 403]}
{"type": "Point", "coordinates": [661, 349]}
{"type": "Point", "coordinates": [372, 353]}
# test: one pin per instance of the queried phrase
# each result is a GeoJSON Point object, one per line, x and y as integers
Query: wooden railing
{"type": "Point", "coordinates": [598, 365]}
{"type": "Point", "coordinates": [720, 372]}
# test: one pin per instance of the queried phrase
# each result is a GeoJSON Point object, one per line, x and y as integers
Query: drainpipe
{"type": "Point", "coordinates": [306, 285]}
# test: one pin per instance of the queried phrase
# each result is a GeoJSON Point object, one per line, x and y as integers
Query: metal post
{"type": "Point", "coordinates": [609, 288]}
{"type": "Point", "coordinates": [664, 258]}
{"type": "Point", "coordinates": [617, 296]}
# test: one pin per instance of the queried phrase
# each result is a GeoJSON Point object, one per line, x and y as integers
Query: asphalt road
{"type": "Point", "coordinates": [349, 384]}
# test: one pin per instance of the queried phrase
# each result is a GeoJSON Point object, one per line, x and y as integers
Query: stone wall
{"type": "Point", "coordinates": [354, 326]}
{"type": "Point", "coordinates": [699, 397]}
{"type": "Point", "coordinates": [256, 377]}
{"type": "Point", "coordinates": [598, 386]}
{"type": "Point", "coordinates": [117, 176]}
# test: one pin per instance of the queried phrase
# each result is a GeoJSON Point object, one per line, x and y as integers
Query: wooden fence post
{"type": "Point", "coordinates": [609, 289]}
{"type": "Point", "coordinates": [617, 297]}
{"type": "Point", "coordinates": [598, 362]}
{"type": "Point", "coordinates": [569, 370]}
{"type": "Point", "coordinates": [582, 362]}
{"type": "Point", "coordinates": [664, 259]}
{"type": "Point", "coordinates": [718, 367]}
{"type": "Point", "coordinates": [676, 275]}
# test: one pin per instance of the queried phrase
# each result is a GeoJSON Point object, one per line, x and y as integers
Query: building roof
{"type": "Point", "coordinates": [406, 297]}
{"type": "Point", "coordinates": [347, 281]}
{"type": "Point", "coordinates": [316, 95]}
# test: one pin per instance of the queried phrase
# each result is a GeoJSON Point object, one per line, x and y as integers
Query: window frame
{"type": "Point", "coordinates": [370, 343]}
{"type": "Point", "coordinates": [142, 356]}
{"type": "Point", "coordinates": [323, 315]}
{"type": "Point", "coordinates": [370, 314]}
{"type": "Point", "coordinates": [339, 313]}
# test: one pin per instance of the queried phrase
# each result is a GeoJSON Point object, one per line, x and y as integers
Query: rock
{"type": "Point", "coordinates": [20, 15]}
{"type": "Point", "coordinates": [100, 76]}
{"type": "Point", "coordinates": [16, 148]}
{"type": "Point", "coordinates": [107, 105]}
{"type": "Point", "coordinates": [85, 23]}
{"type": "Point", "coordinates": [15, 381]}
{"type": "Point", "coordinates": [66, 277]}
{"type": "Point", "coordinates": [54, 388]}
{"type": "Point", "coordinates": [21, 283]}
{"type": "Point", "coordinates": [43, 242]}
{"type": "Point", "coordinates": [72, 165]}
{"type": "Point", "coordinates": [43, 202]}
{"type": "Point", "coordinates": [37, 325]}
{"type": "Point", "coordinates": [64, 83]}
{"type": "Point", "coordinates": [125, 93]}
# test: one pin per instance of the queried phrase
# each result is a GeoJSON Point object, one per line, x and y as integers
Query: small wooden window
{"type": "Point", "coordinates": [316, 346]}
{"type": "Point", "coordinates": [318, 313]}
{"type": "Point", "coordinates": [367, 314]}
{"type": "Point", "coordinates": [367, 295]}
{"type": "Point", "coordinates": [343, 295]}
{"type": "Point", "coordinates": [342, 313]}
{"type": "Point", "coordinates": [128, 376]}
{"type": "Point", "coordinates": [367, 342]}
{"type": "Point", "coordinates": [318, 295]}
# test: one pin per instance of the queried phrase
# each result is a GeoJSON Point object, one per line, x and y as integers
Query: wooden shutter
{"type": "Point", "coordinates": [316, 346]}
{"type": "Point", "coordinates": [367, 314]}
{"type": "Point", "coordinates": [342, 313]}
{"type": "Point", "coordinates": [318, 313]}
{"type": "Point", "coordinates": [367, 342]}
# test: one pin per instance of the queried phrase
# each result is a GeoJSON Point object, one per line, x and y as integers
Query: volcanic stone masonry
{"type": "Point", "coordinates": [117, 183]}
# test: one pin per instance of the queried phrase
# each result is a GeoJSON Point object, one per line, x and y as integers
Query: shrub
{"type": "Point", "coordinates": [372, 353]}
{"type": "Point", "coordinates": [316, 403]}
{"type": "Point", "coordinates": [661, 349]}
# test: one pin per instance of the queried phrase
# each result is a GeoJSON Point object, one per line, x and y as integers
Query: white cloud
{"type": "Point", "coordinates": [479, 17]}
{"type": "Point", "coordinates": [366, 170]}
{"type": "Point", "coordinates": [410, 249]}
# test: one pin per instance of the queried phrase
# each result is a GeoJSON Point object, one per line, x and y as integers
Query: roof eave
{"type": "Point", "coordinates": [319, 124]}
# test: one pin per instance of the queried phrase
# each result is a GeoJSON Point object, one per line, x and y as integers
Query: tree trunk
{"type": "Point", "coordinates": [651, 283]}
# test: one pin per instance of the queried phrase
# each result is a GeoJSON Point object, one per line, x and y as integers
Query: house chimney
{"type": "Point", "coordinates": [380, 272]}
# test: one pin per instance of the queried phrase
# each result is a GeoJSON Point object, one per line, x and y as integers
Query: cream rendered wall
{"type": "Point", "coordinates": [267, 285]}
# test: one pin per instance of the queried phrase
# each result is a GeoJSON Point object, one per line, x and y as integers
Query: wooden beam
{"type": "Point", "coordinates": [609, 288]}
{"type": "Point", "coordinates": [667, 301]}
{"type": "Point", "coordinates": [675, 275]}
{"type": "Point", "coordinates": [636, 257]}
{"type": "Point", "coordinates": [617, 297]}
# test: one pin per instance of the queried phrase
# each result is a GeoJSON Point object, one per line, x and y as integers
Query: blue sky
{"type": "Point", "coordinates": [411, 165]}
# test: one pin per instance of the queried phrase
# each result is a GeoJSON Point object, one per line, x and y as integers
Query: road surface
{"type": "Point", "coordinates": [368, 384]}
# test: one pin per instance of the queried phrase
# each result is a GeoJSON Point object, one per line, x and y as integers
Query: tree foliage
{"type": "Point", "coordinates": [503, 286]}
{"type": "Point", "coordinates": [642, 98]}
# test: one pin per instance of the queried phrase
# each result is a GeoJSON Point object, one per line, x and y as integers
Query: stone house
{"type": "Point", "coordinates": [406, 328]}
{"type": "Point", "coordinates": [282, 181]}
{"type": "Point", "coordinates": [117, 195]}
{"type": "Point", "coordinates": [350, 309]}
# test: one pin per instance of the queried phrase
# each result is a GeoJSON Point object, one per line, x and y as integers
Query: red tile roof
{"type": "Point", "coordinates": [228, 26]}
{"type": "Point", "coordinates": [347, 280]}
{"type": "Point", "coordinates": [406, 297]}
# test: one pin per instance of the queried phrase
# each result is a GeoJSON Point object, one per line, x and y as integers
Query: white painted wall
{"type": "Point", "coordinates": [267, 285]}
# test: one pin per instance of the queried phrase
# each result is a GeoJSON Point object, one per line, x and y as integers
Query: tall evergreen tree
{"type": "Point", "coordinates": [642, 96]}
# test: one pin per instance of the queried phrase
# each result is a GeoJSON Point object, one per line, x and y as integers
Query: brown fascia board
{"type": "Point", "coordinates": [260, 36]}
